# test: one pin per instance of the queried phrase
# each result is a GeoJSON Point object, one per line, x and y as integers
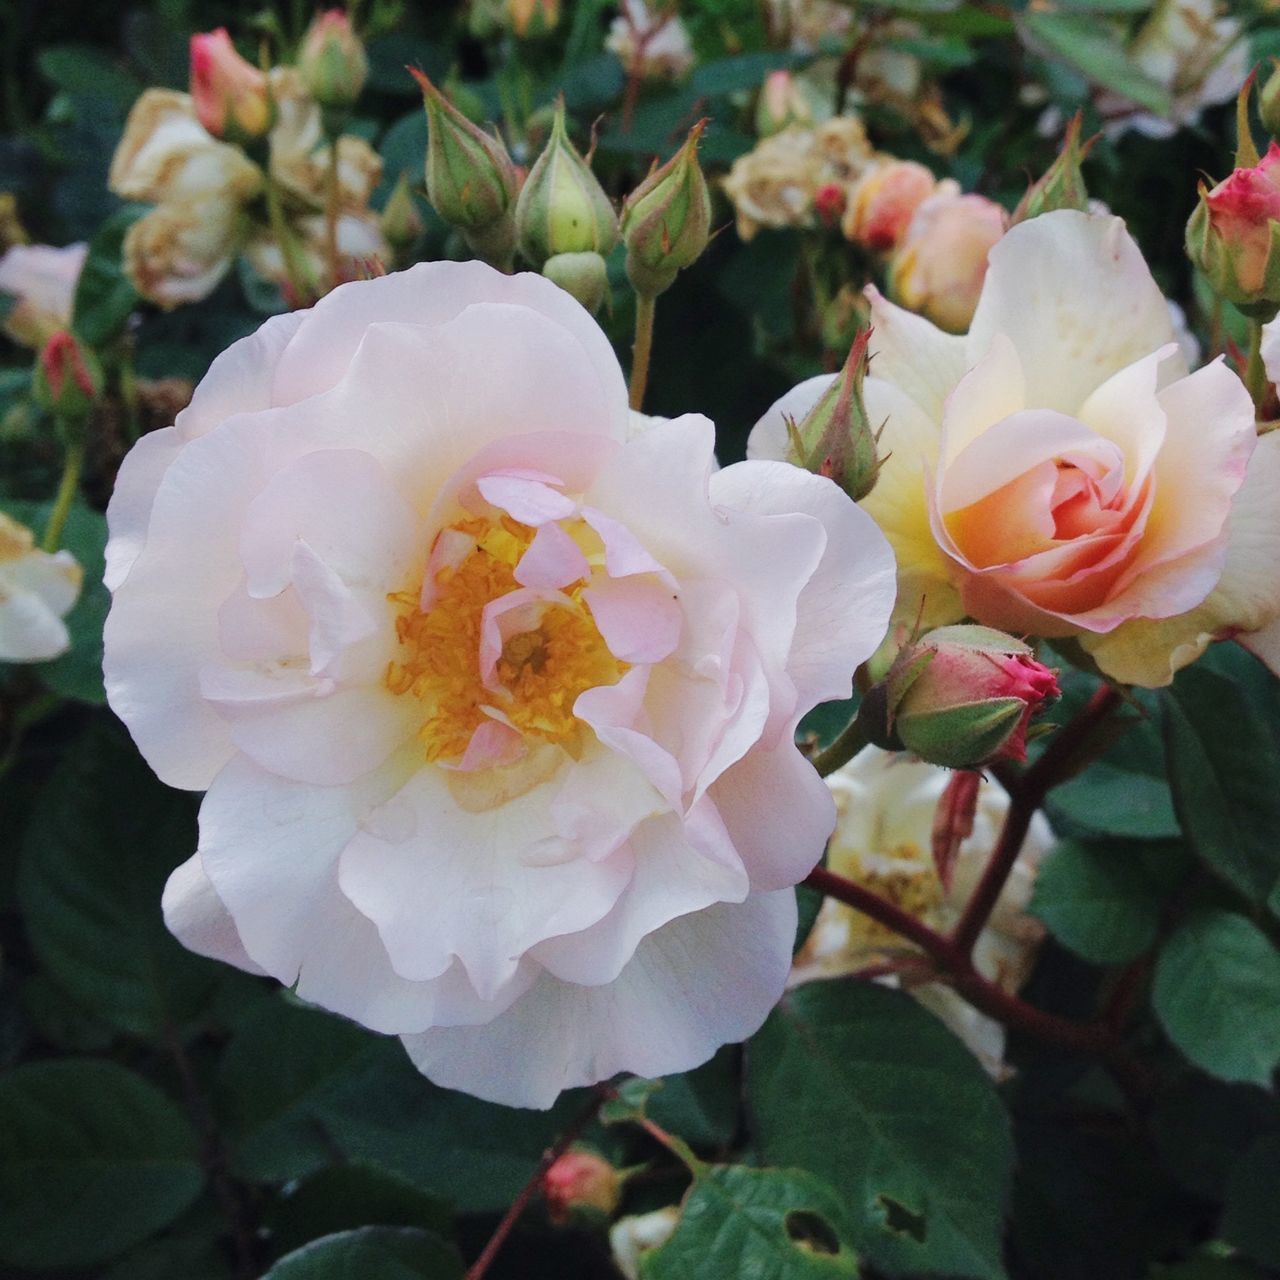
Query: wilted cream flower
{"type": "Point", "coordinates": [650, 40]}
{"type": "Point", "coordinates": [37, 589]}
{"type": "Point", "coordinates": [632, 1237]}
{"type": "Point", "coordinates": [804, 24]}
{"type": "Point", "coordinates": [777, 183]}
{"type": "Point", "coordinates": [42, 281]}
{"type": "Point", "coordinates": [361, 247]}
{"type": "Point", "coordinates": [886, 804]}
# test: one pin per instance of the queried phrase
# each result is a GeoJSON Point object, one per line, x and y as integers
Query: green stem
{"type": "Point", "coordinates": [1255, 374]}
{"type": "Point", "coordinates": [67, 488]}
{"type": "Point", "coordinates": [299, 277]}
{"type": "Point", "coordinates": [331, 216]}
{"type": "Point", "coordinates": [645, 305]}
{"type": "Point", "coordinates": [851, 739]}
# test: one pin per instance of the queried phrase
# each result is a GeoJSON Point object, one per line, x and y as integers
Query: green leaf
{"type": "Point", "coordinates": [776, 1224]}
{"type": "Point", "coordinates": [1103, 901]}
{"type": "Point", "coordinates": [105, 297]}
{"type": "Point", "coordinates": [1092, 48]}
{"type": "Point", "coordinates": [858, 1084]}
{"type": "Point", "coordinates": [78, 672]}
{"type": "Point", "coordinates": [85, 69]}
{"type": "Point", "coordinates": [701, 1106]}
{"type": "Point", "coordinates": [1249, 1219]}
{"type": "Point", "coordinates": [93, 1160]}
{"type": "Point", "coordinates": [347, 1196]}
{"type": "Point", "coordinates": [743, 71]}
{"type": "Point", "coordinates": [1217, 994]}
{"type": "Point", "coordinates": [299, 1087]}
{"type": "Point", "coordinates": [100, 844]}
{"type": "Point", "coordinates": [372, 1253]}
{"type": "Point", "coordinates": [1223, 764]}
{"type": "Point", "coordinates": [1108, 801]}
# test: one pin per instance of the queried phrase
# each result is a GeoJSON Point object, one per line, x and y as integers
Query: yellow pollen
{"type": "Point", "coordinates": [911, 884]}
{"type": "Point", "coordinates": [541, 671]}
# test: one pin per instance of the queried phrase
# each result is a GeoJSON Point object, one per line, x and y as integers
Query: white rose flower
{"type": "Point", "coordinates": [37, 590]}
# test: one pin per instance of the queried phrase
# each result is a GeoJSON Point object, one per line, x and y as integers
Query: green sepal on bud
{"type": "Point", "coordinates": [1269, 101]}
{"type": "Point", "coordinates": [666, 220]}
{"type": "Point", "coordinates": [1062, 186]}
{"type": "Point", "coordinates": [332, 62]}
{"type": "Point", "coordinates": [960, 697]}
{"type": "Point", "coordinates": [68, 381]}
{"type": "Point", "coordinates": [562, 208]}
{"type": "Point", "coordinates": [835, 439]}
{"type": "Point", "coordinates": [471, 180]}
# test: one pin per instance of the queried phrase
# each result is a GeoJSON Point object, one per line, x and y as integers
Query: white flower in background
{"type": "Point", "coordinates": [650, 40]}
{"type": "Point", "coordinates": [632, 1237]}
{"type": "Point", "coordinates": [37, 590]}
{"type": "Point", "coordinates": [42, 281]}
{"type": "Point", "coordinates": [886, 804]}
{"type": "Point", "coordinates": [494, 701]}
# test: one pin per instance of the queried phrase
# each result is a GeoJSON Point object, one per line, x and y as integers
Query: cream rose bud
{"type": "Point", "coordinates": [941, 262]}
{"type": "Point", "coordinates": [1057, 473]}
{"type": "Point", "coordinates": [42, 281]}
{"type": "Point", "coordinates": [37, 590]}
{"type": "Point", "coordinates": [494, 701]}
{"type": "Point", "coordinates": [887, 804]}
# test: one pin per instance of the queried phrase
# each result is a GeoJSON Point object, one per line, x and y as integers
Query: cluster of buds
{"type": "Point", "coordinates": [1234, 234]}
{"type": "Point", "coordinates": [560, 218]}
{"type": "Point", "coordinates": [205, 160]}
{"type": "Point", "coordinates": [835, 439]}
{"type": "Point", "coordinates": [960, 696]}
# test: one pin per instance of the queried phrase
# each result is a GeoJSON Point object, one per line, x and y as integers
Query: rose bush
{"type": "Point", "coordinates": [1057, 472]}
{"type": "Point", "coordinates": [494, 704]}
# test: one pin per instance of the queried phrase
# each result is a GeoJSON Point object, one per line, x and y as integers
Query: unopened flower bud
{"type": "Point", "coordinates": [562, 208]}
{"type": "Point", "coordinates": [68, 379]}
{"type": "Point", "coordinates": [884, 202]}
{"type": "Point", "coordinates": [666, 221]}
{"type": "Point", "coordinates": [1234, 234]}
{"type": "Point", "coordinates": [401, 222]}
{"type": "Point", "coordinates": [829, 203]}
{"type": "Point", "coordinates": [1062, 186]}
{"type": "Point", "coordinates": [580, 1180]}
{"type": "Point", "coordinates": [781, 103]}
{"type": "Point", "coordinates": [471, 181]}
{"type": "Point", "coordinates": [230, 95]}
{"type": "Point", "coordinates": [583, 275]}
{"type": "Point", "coordinates": [1269, 101]}
{"type": "Point", "coordinates": [332, 60]}
{"type": "Point", "coordinates": [961, 697]}
{"type": "Point", "coordinates": [835, 439]}
{"type": "Point", "coordinates": [533, 17]}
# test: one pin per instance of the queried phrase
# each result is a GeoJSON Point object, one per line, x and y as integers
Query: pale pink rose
{"type": "Point", "coordinates": [493, 701]}
{"type": "Point", "coordinates": [884, 201]}
{"type": "Point", "coordinates": [1057, 472]}
{"type": "Point", "coordinates": [43, 281]}
{"type": "Point", "coordinates": [941, 261]}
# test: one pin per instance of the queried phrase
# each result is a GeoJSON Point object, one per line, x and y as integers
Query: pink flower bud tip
{"type": "Point", "coordinates": [580, 1180]}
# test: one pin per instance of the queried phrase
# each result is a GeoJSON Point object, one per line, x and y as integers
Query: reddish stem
{"type": "Point", "coordinates": [530, 1188]}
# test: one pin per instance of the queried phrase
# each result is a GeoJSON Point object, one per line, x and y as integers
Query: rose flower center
{"type": "Point", "coordinates": [550, 649]}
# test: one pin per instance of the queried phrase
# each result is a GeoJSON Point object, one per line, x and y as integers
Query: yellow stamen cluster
{"type": "Point", "coordinates": [911, 883]}
{"type": "Point", "coordinates": [541, 671]}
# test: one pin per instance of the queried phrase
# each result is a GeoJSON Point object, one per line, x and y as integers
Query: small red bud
{"type": "Point", "coordinates": [580, 1180]}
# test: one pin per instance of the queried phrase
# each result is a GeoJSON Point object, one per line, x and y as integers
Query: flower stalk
{"type": "Point", "coordinates": [643, 349]}
{"type": "Point", "coordinates": [68, 487]}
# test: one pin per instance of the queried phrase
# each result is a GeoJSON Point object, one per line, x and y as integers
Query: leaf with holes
{"type": "Point", "coordinates": [779, 1224]}
{"type": "Point", "coordinates": [863, 1087]}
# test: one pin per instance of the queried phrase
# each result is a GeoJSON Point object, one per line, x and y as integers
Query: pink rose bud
{"type": "Point", "coordinates": [580, 1180]}
{"type": "Point", "coordinates": [231, 97]}
{"type": "Point", "coordinates": [829, 201]}
{"type": "Point", "coordinates": [1234, 234]}
{"type": "Point", "coordinates": [332, 60]}
{"type": "Point", "coordinates": [884, 202]}
{"type": "Point", "coordinates": [962, 697]}
{"type": "Point", "coordinates": [68, 379]}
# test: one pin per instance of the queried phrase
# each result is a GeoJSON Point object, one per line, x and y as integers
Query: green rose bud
{"type": "Point", "coordinates": [332, 61]}
{"type": "Point", "coordinates": [835, 438]}
{"type": "Point", "coordinates": [562, 208]}
{"type": "Point", "coordinates": [1062, 186]}
{"type": "Point", "coordinates": [68, 380]}
{"type": "Point", "coordinates": [400, 221]}
{"type": "Point", "coordinates": [1269, 101]}
{"type": "Point", "coordinates": [581, 274]}
{"type": "Point", "coordinates": [666, 220]}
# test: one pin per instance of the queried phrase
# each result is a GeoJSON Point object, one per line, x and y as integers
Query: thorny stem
{"type": "Point", "coordinates": [645, 305]}
{"type": "Point", "coordinates": [214, 1157]}
{"type": "Point", "coordinates": [67, 488]}
{"type": "Point", "coordinates": [481, 1265]}
{"type": "Point", "coordinates": [953, 953]}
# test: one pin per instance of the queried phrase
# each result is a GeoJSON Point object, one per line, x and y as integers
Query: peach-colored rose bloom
{"type": "Point", "coordinates": [941, 263]}
{"type": "Point", "coordinates": [1057, 472]}
{"type": "Point", "coordinates": [43, 282]}
{"type": "Point", "coordinates": [885, 200]}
